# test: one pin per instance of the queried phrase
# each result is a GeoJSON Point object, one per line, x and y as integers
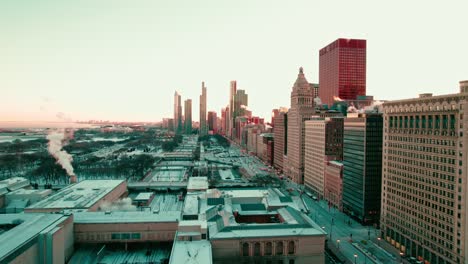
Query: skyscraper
{"type": "Point", "coordinates": [302, 108]}
{"type": "Point", "coordinates": [188, 116]}
{"type": "Point", "coordinates": [212, 122]}
{"type": "Point", "coordinates": [424, 188]}
{"type": "Point", "coordinates": [203, 127]}
{"type": "Point", "coordinates": [232, 94]}
{"type": "Point", "coordinates": [362, 166]}
{"type": "Point", "coordinates": [240, 103]}
{"type": "Point", "coordinates": [279, 130]}
{"type": "Point", "coordinates": [342, 70]}
{"type": "Point", "coordinates": [177, 113]}
{"type": "Point", "coordinates": [323, 143]}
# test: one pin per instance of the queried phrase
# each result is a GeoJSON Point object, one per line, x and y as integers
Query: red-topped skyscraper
{"type": "Point", "coordinates": [342, 70]}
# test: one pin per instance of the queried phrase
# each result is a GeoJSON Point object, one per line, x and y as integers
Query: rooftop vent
{"type": "Point", "coordinates": [424, 95]}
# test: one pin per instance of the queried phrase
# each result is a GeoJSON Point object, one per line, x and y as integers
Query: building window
{"type": "Point", "coordinates": [291, 247]}
{"type": "Point", "coordinates": [245, 249]}
{"type": "Point", "coordinates": [279, 248]}
{"type": "Point", "coordinates": [268, 249]}
{"type": "Point", "coordinates": [257, 249]}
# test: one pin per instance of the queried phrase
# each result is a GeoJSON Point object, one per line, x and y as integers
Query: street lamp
{"type": "Point", "coordinates": [378, 241]}
{"type": "Point", "coordinates": [355, 258]}
{"type": "Point", "coordinates": [401, 257]}
{"type": "Point", "coordinates": [338, 243]}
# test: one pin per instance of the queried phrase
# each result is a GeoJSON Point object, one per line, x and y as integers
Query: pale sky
{"type": "Point", "coordinates": [123, 60]}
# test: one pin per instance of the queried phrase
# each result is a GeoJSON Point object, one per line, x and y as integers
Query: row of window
{"type": "Point", "coordinates": [424, 122]}
{"type": "Point", "coordinates": [267, 248]}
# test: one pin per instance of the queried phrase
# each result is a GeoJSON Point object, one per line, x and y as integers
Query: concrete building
{"type": "Point", "coordinates": [333, 183]}
{"type": "Point", "coordinates": [177, 112]}
{"type": "Point", "coordinates": [342, 70]}
{"type": "Point", "coordinates": [224, 122]}
{"type": "Point", "coordinates": [362, 161]}
{"type": "Point", "coordinates": [424, 190]}
{"type": "Point", "coordinates": [212, 122]}
{"type": "Point", "coordinates": [302, 108]}
{"type": "Point", "coordinates": [280, 135]}
{"type": "Point", "coordinates": [188, 116]}
{"type": "Point", "coordinates": [323, 143]}
{"type": "Point", "coordinates": [203, 130]}
{"type": "Point", "coordinates": [36, 238]}
{"type": "Point", "coordinates": [86, 195]}
{"type": "Point", "coordinates": [231, 117]}
{"type": "Point", "coordinates": [240, 103]}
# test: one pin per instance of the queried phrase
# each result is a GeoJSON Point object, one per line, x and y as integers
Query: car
{"type": "Point", "coordinates": [314, 198]}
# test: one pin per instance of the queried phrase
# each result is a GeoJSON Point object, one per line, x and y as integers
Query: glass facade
{"type": "Point", "coordinates": [362, 160]}
{"type": "Point", "coordinates": [342, 70]}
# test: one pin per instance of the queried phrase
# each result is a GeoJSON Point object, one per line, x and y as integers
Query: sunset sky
{"type": "Point", "coordinates": [123, 60]}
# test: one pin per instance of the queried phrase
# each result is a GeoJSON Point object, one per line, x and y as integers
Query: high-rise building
{"type": "Point", "coordinates": [342, 70]}
{"type": "Point", "coordinates": [424, 189]}
{"type": "Point", "coordinates": [212, 122]}
{"type": "Point", "coordinates": [240, 103]}
{"type": "Point", "coordinates": [203, 127]}
{"type": "Point", "coordinates": [362, 162]}
{"type": "Point", "coordinates": [188, 116]}
{"type": "Point", "coordinates": [223, 120]}
{"type": "Point", "coordinates": [177, 112]}
{"type": "Point", "coordinates": [302, 108]}
{"type": "Point", "coordinates": [323, 143]}
{"type": "Point", "coordinates": [232, 94]}
{"type": "Point", "coordinates": [280, 135]}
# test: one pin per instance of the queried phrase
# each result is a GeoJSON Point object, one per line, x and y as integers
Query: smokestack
{"type": "Point", "coordinates": [73, 179]}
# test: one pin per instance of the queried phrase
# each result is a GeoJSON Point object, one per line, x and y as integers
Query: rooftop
{"type": "Point", "coordinates": [125, 217]}
{"type": "Point", "coordinates": [197, 183]}
{"type": "Point", "coordinates": [191, 252]}
{"type": "Point", "coordinates": [28, 227]}
{"type": "Point", "coordinates": [14, 183]}
{"type": "Point", "coordinates": [81, 195]}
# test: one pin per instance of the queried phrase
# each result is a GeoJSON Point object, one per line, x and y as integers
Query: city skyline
{"type": "Point", "coordinates": [65, 61]}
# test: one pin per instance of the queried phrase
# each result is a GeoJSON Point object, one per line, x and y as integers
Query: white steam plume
{"type": "Point", "coordinates": [124, 204]}
{"type": "Point", "coordinates": [56, 139]}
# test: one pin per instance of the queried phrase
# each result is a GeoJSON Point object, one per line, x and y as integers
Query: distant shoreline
{"type": "Point", "coordinates": [42, 124]}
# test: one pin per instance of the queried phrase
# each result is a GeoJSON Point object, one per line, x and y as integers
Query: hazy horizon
{"type": "Point", "coordinates": [122, 61]}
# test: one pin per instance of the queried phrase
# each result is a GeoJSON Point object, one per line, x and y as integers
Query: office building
{"type": "Point", "coordinates": [424, 195]}
{"type": "Point", "coordinates": [302, 108]}
{"type": "Point", "coordinates": [323, 143]}
{"type": "Point", "coordinates": [212, 122]}
{"type": "Point", "coordinates": [188, 116]}
{"type": "Point", "coordinates": [203, 130]}
{"type": "Point", "coordinates": [177, 113]}
{"type": "Point", "coordinates": [333, 183]}
{"type": "Point", "coordinates": [342, 70]}
{"type": "Point", "coordinates": [232, 119]}
{"type": "Point", "coordinates": [280, 135]}
{"type": "Point", "coordinates": [362, 161]}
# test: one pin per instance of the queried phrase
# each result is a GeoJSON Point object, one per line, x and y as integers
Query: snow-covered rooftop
{"type": "Point", "coordinates": [197, 184]}
{"type": "Point", "coordinates": [143, 196]}
{"type": "Point", "coordinates": [191, 252]}
{"type": "Point", "coordinates": [14, 183]}
{"type": "Point", "coordinates": [81, 195]}
{"type": "Point", "coordinates": [29, 226]}
{"type": "Point", "coordinates": [125, 217]}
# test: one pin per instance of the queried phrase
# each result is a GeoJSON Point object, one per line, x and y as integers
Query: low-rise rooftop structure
{"type": "Point", "coordinates": [197, 184]}
{"type": "Point", "coordinates": [33, 237]}
{"type": "Point", "coordinates": [88, 195]}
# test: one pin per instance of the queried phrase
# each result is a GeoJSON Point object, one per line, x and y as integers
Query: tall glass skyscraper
{"type": "Point", "coordinates": [342, 70]}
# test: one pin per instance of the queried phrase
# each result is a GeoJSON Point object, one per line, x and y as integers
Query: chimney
{"type": "Point", "coordinates": [73, 179]}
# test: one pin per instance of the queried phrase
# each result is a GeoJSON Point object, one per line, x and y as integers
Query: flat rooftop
{"type": "Point", "coordinates": [14, 183]}
{"type": "Point", "coordinates": [125, 217]}
{"type": "Point", "coordinates": [191, 252]}
{"type": "Point", "coordinates": [197, 183]}
{"type": "Point", "coordinates": [81, 195]}
{"type": "Point", "coordinates": [28, 226]}
{"type": "Point", "coordinates": [143, 196]}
